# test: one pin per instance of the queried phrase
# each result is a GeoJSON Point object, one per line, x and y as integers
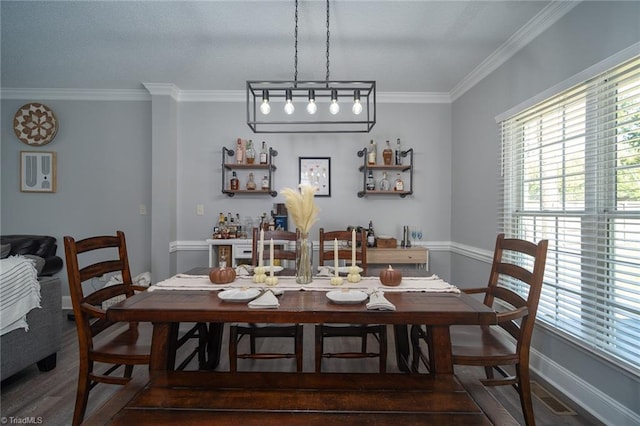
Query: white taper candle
{"type": "Point", "coordinates": [353, 247]}
{"type": "Point", "coordinates": [261, 247]}
{"type": "Point", "coordinates": [271, 257]}
{"type": "Point", "coordinates": [335, 256]}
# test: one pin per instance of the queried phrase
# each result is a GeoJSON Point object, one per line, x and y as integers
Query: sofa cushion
{"type": "Point", "coordinates": [5, 249]}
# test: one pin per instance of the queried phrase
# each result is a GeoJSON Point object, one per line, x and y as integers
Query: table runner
{"type": "Point", "coordinates": [432, 284]}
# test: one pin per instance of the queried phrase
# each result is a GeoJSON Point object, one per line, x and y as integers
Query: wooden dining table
{"type": "Point", "coordinates": [437, 311]}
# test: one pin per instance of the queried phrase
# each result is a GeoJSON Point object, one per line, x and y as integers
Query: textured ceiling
{"type": "Point", "coordinates": [407, 46]}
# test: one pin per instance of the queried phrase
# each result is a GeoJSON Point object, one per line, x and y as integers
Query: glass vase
{"type": "Point", "coordinates": [304, 256]}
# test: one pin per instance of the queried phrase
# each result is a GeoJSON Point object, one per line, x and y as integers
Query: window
{"type": "Point", "coordinates": [571, 174]}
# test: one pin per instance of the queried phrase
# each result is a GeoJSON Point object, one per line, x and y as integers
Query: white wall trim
{"type": "Point", "coordinates": [163, 89]}
{"type": "Point", "coordinates": [532, 29]}
{"type": "Point", "coordinates": [472, 252]}
{"type": "Point", "coordinates": [76, 94]}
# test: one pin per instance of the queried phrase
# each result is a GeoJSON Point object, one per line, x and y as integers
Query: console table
{"type": "Point", "coordinates": [416, 255]}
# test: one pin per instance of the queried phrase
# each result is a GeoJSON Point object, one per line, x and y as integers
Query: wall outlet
{"type": "Point", "coordinates": [200, 209]}
{"type": "Point", "coordinates": [143, 209]}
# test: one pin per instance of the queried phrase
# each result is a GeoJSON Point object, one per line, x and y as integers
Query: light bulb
{"type": "Point", "coordinates": [357, 107]}
{"type": "Point", "coordinates": [334, 108]}
{"type": "Point", "coordinates": [288, 107]}
{"type": "Point", "coordinates": [265, 108]}
{"type": "Point", "coordinates": [312, 108]}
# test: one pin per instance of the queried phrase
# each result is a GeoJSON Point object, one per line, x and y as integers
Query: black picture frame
{"type": "Point", "coordinates": [316, 171]}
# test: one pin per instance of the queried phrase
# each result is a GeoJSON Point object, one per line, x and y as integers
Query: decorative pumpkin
{"type": "Point", "coordinates": [259, 270]}
{"type": "Point", "coordinates": [259, 278]}
{"type": "Point", "coordinates": [390, 277]}
{"type": "Point", "coordinates": [222, 275]}
{"type": "Point", "coordinates": [272, 280]}
{"type": "Point", "coordinates": [336, 281]}
{"type": "Point", "coordinates": [353, 278]}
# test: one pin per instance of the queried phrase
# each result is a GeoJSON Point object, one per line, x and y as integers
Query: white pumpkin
{"type": "Point", "coordinates": [336, 280]}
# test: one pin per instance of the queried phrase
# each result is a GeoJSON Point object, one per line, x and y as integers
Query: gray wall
{"type": "Point", "coordinates": [103, 175]}
{"type": "Point", "coordinates": [570, 46]}
{"type": "Point", "coordinates": [204, 128]}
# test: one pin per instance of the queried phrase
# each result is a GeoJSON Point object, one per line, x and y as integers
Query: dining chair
{"type": "Point", "coordinates": [515, 262]}
{"type": "Point", "coordinates": [100, 340]}
{"type": "Point", "coordinates": [323, 331]}
{"type": "Point", "coordinates": [253, 330]}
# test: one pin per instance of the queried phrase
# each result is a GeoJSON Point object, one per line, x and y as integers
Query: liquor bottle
{"type": "Point", "coordinates": [235, 184]}
{"type": "Point", "coordinates": [251, 153]}
{"type": "Point", "coordinates": [239, 152]}
{"type": "Point", "coordinates": [399, 185]}
{"type": "Point", "coordinates": [384, 185]}
{"type": "Point", "coordinates": [371, 235]}
{"type": "Point", "coordinates": [251, 184]}
{"type": "Point", "coordinates": [387, 155]}
{"type": "Point", "coordinates": [398, 153]}
{"type": "Point", "coordinates": [265, 183]}
{"type": "Point", "coordinates": [372, 154]}
{"type": "Point", "coordinates": [264, 153]}
{"type": "Point", "coordinates": [221, 219]}
{"type": "Point", "coordinates": [371, 184]}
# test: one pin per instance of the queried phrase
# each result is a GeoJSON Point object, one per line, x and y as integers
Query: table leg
{"type": "Point", "coordinates": [402, 347]}
{"type": "Point", "coordinates": [214, 344]}
{"type": "Point", "coordinates": [163, 351]}
{"type": "Point", "coordinates": [439, 342]}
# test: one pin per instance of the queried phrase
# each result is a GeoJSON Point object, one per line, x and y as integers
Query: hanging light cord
{"type": "Point", "coordinates": [295, 56]}
{"type": "Point", "coordinates": [327, 40]}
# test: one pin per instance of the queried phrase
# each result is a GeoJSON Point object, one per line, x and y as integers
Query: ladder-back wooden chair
{"type": "Point", "coordinates": [323, 331]}
{"type": "Point", "coordinates": [508, 343]}
{"type": "Point", "coordinates": [254, 331]}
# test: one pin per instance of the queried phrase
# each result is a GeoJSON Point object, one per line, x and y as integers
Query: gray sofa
{"type": "Point", "coordinates": [18, 348]}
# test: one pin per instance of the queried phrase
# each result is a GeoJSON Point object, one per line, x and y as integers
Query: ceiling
{"type": "Point", "coordinates": [407, 46]}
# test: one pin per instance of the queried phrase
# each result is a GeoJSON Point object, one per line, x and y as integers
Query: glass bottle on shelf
{"type": "Point", "coordinates": [398, 153]}
{"type": "Point", "coordinates": [372, 154]}
{"type": "Point", "coordinates": [399, 185]}
{"type": "Point", "coordinates": [239, 152]}
{"type": "Point", "coordinates": [251, 184]}
{"type": "Point", "coordinates": [387, 155]}
{"type": "Point", "coordinates": [235, 183]}
{"type": "Point", "coordinates": [371, 184]}
{"type": "Point", "coordinates": [264, 153]}
{"type": "Point", "coordinates": [265, 183]}
{"type": "Point", "coordinates": [251, 153]}
{"type": "Point", "coordinates": [384, 185]}
{"type": "Point", "coordinates": [371, 235]}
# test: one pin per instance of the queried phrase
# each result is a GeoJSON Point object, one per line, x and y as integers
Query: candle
{"type": "Point", "coordinates": [271, 257]}
{"type": "Point", "coordinates": [353, 247]}
{"type": "Point", "coordinates": [261, 247]}
{"type": "Point", "coordinates": [335, 256]}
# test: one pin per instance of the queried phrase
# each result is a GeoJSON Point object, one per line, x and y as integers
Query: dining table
{"type": "Point", "coordinates": [308, 397]}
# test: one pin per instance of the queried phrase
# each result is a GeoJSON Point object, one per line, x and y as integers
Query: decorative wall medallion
{"type": "Point", "coordinates": [35, 124]}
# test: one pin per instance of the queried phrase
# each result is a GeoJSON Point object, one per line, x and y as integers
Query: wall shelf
{"type": "Point", "coordinates": [401, 168]}
{"type": "Point", "coordinates": [227, 167]}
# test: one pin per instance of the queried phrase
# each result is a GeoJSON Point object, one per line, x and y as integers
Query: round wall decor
{"type": "Point", "coordinates": [35, 124]}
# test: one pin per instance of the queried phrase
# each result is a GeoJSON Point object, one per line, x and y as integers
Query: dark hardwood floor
{"type": "Point", "coordinates": [48, 398]}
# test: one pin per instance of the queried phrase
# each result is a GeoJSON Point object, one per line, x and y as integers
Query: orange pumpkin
{"type": "Point", "coordinates": [390, 277]}
{"type": "Point", "coordinates": [222, 275]}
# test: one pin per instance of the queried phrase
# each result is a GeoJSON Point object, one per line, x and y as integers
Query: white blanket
{"type": "Point", "coordinates": [19, 292]}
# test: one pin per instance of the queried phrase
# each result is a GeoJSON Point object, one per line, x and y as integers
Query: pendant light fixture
{"type": "Point", "coordinates": [271, 105]}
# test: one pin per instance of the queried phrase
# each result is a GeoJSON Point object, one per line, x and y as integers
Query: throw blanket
{"type": "Point", "coordinates": [19, 292]}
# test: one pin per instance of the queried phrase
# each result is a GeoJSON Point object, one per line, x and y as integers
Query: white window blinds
{"type": "Point", "coordinates": [571, 174]}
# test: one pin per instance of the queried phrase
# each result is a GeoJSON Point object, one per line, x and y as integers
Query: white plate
{"type": "Point", "coordinates": [239, 294]}
{"type": "Point", "coordinates": [344, 269]}
{"type": "Point", "coordinates": [276, 268]}
{"type": "Point", "coordinates": [347, 297]}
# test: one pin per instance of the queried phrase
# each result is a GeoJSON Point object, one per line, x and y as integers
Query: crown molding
{"type": "Point", "coordinates": [76, 94]}
{"type": "Point", "coordinates": [163, 89]}
{"type": "Point", "coordinates": [532, 29]}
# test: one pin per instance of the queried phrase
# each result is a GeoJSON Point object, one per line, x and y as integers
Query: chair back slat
{"type": "Point", "coordinates": [280, 252]}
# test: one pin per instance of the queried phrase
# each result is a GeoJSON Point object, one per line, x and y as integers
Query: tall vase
{"type": "Point", "coordinates": [304, 256]}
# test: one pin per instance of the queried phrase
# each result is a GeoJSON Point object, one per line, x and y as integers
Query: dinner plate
{"type": "Point", "coordinates": [348, 297]}
{"type": "Point", "coordinates": [344, 269]}
{"type": "Point", "coordinates": [276, 268]}
{"type": "Point", "coordinates": [239, 294]}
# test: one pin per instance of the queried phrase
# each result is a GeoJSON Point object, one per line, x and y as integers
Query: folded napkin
{"type": "Point", "coordinates": [268, 300]}
{"type": "Point", "coordinates": [324, 271]}
{"type": "Point", "coordinates": [379, 302]}
{"type": "Point", "coordinates": [244, 270]}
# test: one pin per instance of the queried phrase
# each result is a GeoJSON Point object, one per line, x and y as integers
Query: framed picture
{"type": "Point", "coordinates": [37, 171]}
{"type": "Point", "coordinates": [316, 171]}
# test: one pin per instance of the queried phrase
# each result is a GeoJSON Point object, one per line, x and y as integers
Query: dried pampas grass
{"type": "Point", "coordinates": [301, 206]}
